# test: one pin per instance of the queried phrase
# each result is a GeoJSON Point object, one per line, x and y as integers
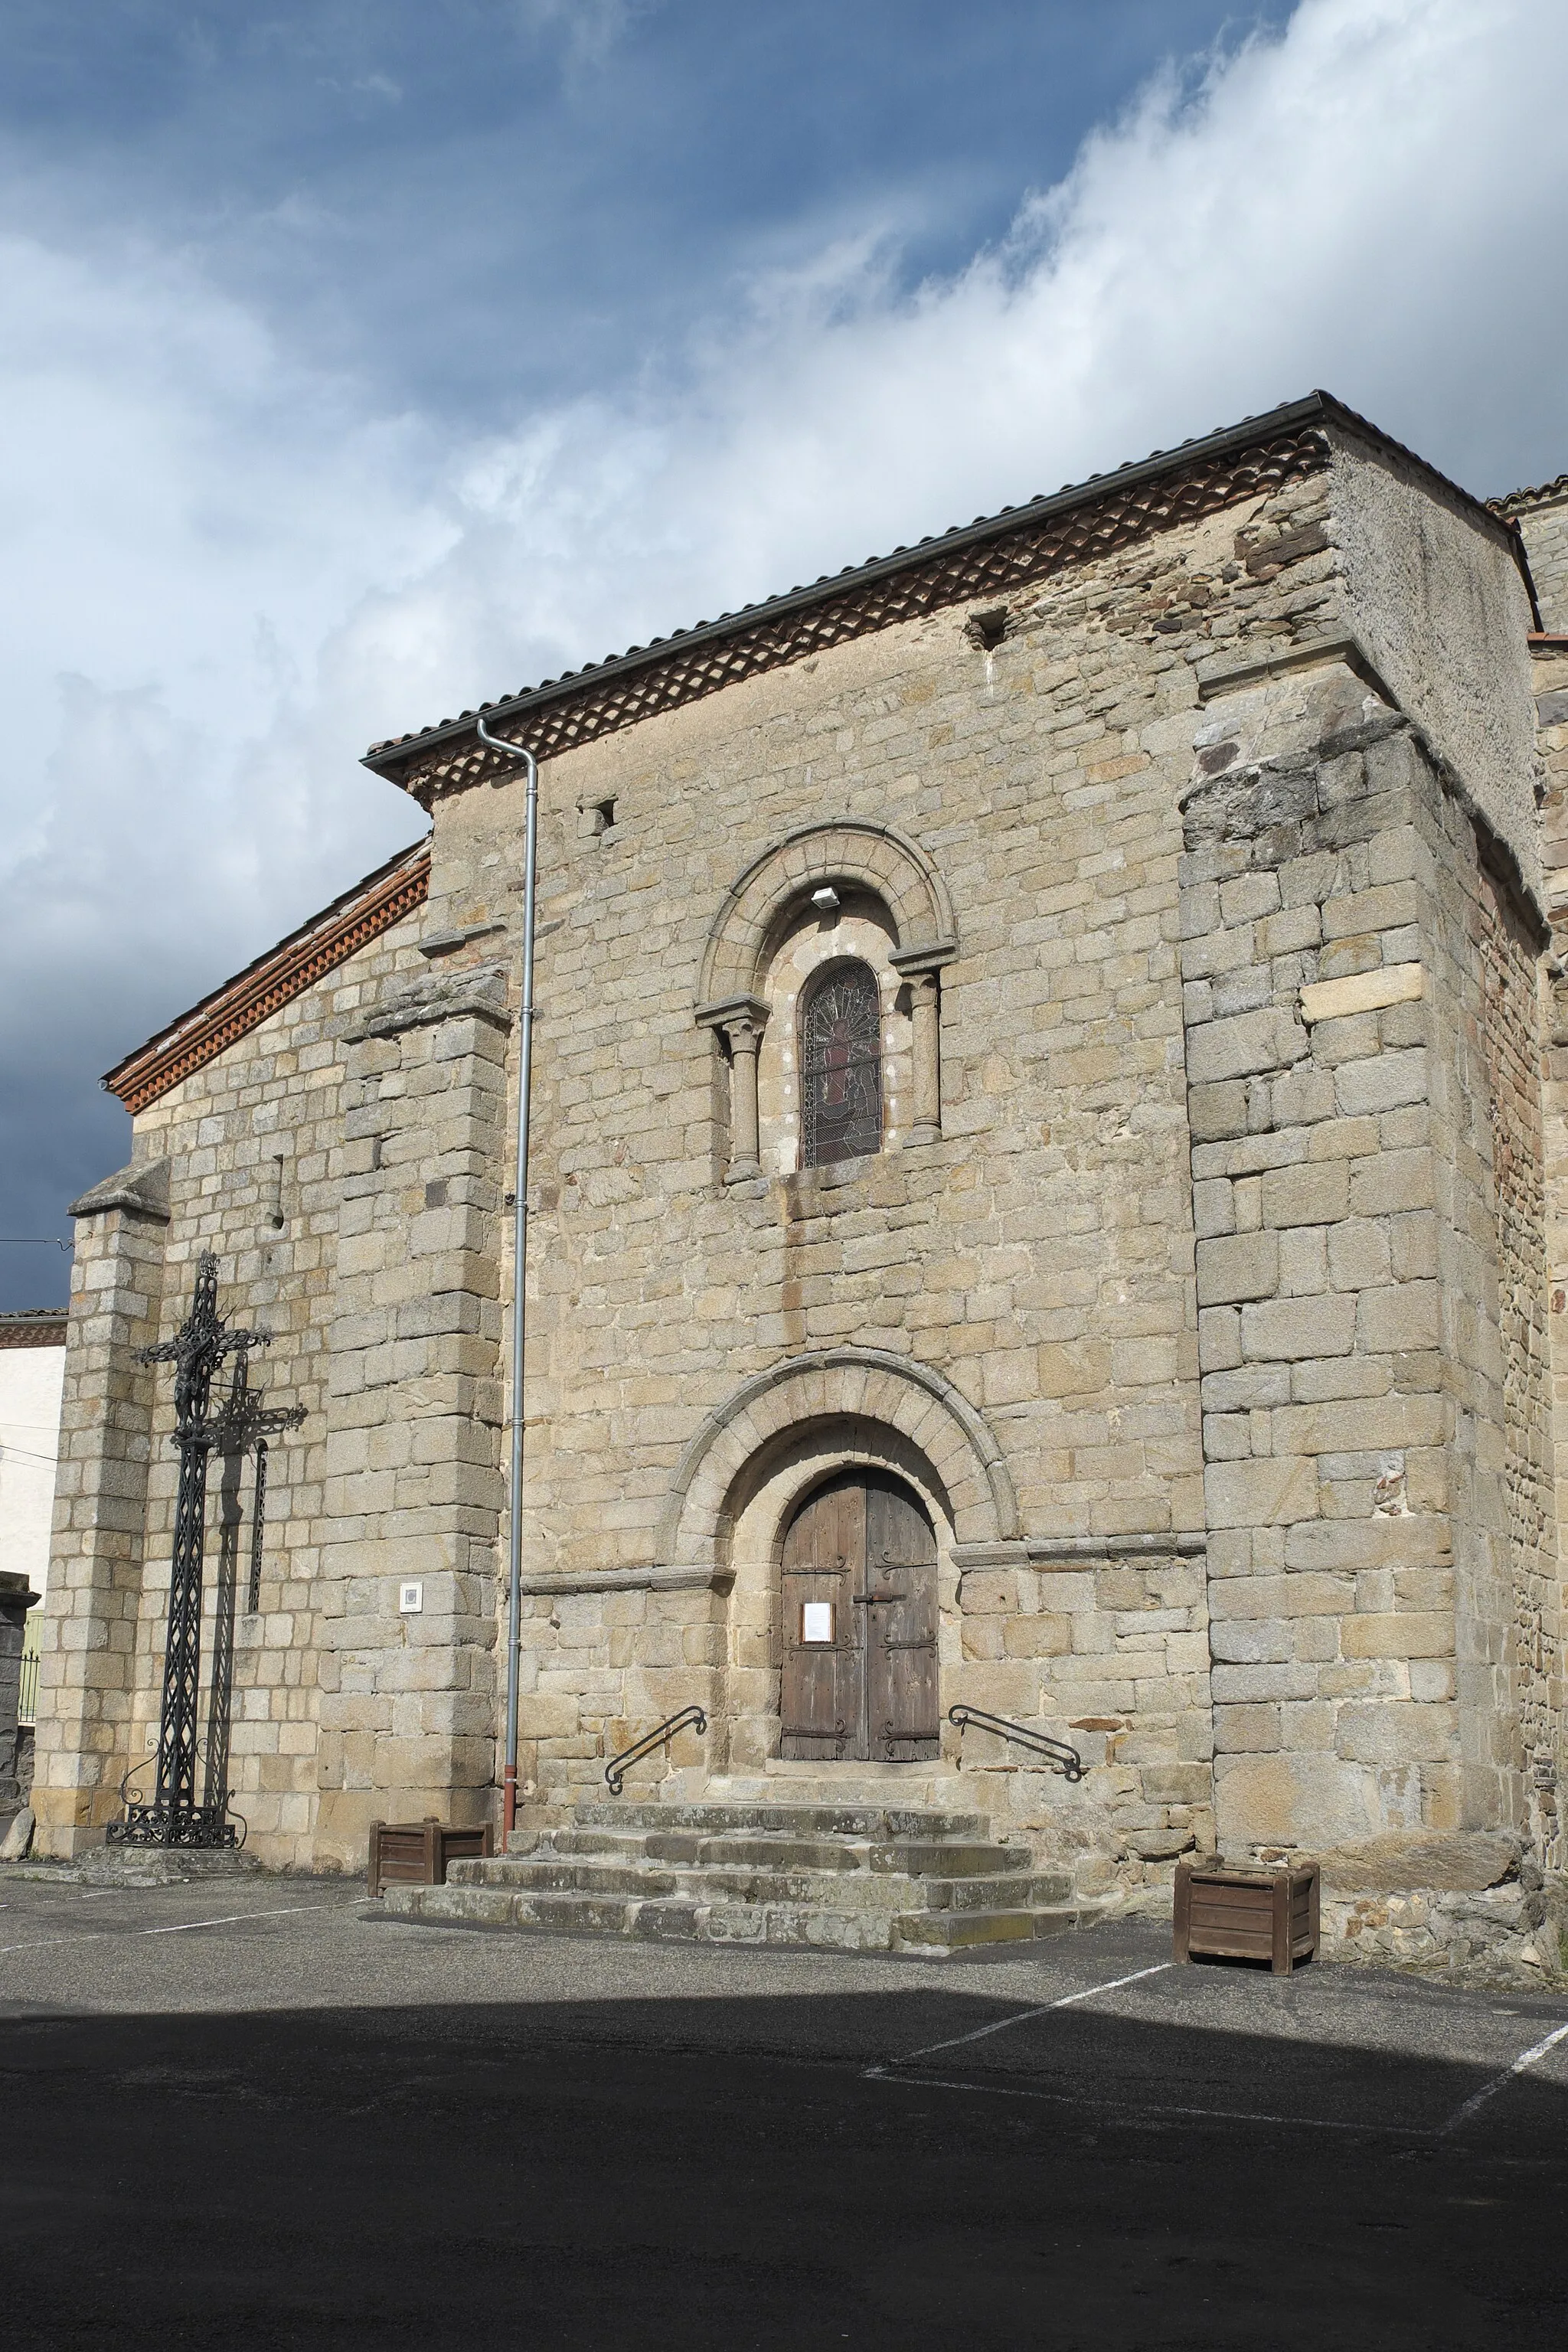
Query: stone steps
{"type": "Point", "coordinates": [810, 1924]}
{"type": "Point", "coordinates": [904, 1786]}
{"type": "Point", "coordinates": [849, 1877]}
{"type": "Point", "coordinates": [863, 1890]}
{"type": "Point", "coordinates": [770, 1820]}
{"type": "Point", "coordinates": [953, 1858]}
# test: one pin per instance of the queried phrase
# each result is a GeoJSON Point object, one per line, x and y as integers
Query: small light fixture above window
{"type": "Point", "coordinates": [825, 900]}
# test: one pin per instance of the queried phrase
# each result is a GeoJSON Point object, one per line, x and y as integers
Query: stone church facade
{"type": "Point", "coordinates": [1049, 1045]}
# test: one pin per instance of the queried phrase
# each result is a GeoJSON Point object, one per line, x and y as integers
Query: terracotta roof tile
{"type": "Point", "coordinates": [273, 979]}
{"type": "Point", "coordinates": [1543, 493]}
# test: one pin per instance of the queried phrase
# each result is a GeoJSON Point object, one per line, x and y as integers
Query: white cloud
{"type": "Point", "coordinates": [247, 571]}
{"type": "Point", "coordinates": [1349, 205]}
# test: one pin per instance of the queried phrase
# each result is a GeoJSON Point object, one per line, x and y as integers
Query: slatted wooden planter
{"type": "Point", "coordinates": [415, 1854]}
{"type": "Point", "coordinates": [1245, 1912]}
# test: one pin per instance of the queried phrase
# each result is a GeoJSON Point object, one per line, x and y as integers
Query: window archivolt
{"type": "Point", "coordinates": [846, 851]}
{"type": "Point", "coordinates": [862, 1073]}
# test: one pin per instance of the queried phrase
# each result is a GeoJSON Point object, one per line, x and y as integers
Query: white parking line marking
{"type": "Point", "coordinates": [1526, 2058]}
{"type": "Point", "coordinates": [276, 1911]}
{"type": "Point", "coordinates": [1127, 2106]}
{"type": "Point", "coordinates": [183, 1927]}
{"type": "Point", "coordinates": [1019, 2017]}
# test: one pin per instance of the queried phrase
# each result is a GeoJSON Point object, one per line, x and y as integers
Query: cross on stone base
{"type": "Point", "coordinates": [176, 1817]}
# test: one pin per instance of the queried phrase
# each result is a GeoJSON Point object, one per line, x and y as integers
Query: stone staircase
{"type": "Point", "coordinates": [857, 1877]}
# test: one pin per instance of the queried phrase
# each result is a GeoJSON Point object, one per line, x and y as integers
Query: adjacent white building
{"type": "Point", "coordinates": [32, 1373]}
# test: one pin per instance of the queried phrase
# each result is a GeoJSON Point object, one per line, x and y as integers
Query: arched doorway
{"type": "Point", "coordinates": [859, 1622]}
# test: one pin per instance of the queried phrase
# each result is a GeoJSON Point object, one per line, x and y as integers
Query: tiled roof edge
{"type": "Point", "coordinates": [33, 1327]}
{"type": "Point", "coordinates": [983, 558]}
{"type": "Point", "coordinates": [1538, 495]}
{"type": "Point", "coordinates": [273, 979]}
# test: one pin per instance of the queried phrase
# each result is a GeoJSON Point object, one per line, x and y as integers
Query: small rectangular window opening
{"type": "Point", "coordinates": [988, 626]}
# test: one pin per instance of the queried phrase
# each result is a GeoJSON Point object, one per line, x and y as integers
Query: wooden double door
{"type": "Point", "coordinates": [857, 1596]}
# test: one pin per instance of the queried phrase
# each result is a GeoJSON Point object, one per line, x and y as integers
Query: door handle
{"type": "Point", "coordinates": [877, 1600]}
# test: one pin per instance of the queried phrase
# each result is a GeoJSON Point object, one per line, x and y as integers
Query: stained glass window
{"type": "Point", "coordinates": [841, 1066]}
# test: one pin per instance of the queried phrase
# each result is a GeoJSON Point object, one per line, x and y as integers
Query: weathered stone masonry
{"type": "Point", "coordinates": [1199, 1290]}
{"type": "Point", "coordinates": [1365, 1177]}
{"type": "Point", "coordinates": [1542, 518]}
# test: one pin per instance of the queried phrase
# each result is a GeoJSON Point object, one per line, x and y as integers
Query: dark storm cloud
{"type": "Point", "coordinates": [478, 203]}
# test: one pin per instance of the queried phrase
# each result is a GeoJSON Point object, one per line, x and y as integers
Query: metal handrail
{"type": "Point", "coordinates": [27, 1693]}
{"type": "Point", "coordinates": [614, 1770]}
{"type": "Point", "coordinates": [1062, 1759]}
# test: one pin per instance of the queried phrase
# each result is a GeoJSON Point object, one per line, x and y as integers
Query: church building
{"type": "Point", "coordinates": [1048, 1184]}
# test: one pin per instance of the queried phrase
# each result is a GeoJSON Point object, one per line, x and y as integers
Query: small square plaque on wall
{"type": "Point", "coordinates": [817, 1622]}
{"type": "Point", "coordinates": [410, 1600]}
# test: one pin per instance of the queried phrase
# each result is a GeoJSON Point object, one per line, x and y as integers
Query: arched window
{"type": "Point", "coordinates": [840, 1066]}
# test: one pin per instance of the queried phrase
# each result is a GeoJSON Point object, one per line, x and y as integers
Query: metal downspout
{"type": "Point", "coordinates": [518, 1266]}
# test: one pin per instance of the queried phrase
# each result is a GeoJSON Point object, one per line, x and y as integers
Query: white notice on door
{"type": "Point", "coordinates": [817, 1620]}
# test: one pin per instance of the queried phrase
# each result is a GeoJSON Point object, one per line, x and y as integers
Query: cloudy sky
{"type": "Point", "coordinates": [364, 357]}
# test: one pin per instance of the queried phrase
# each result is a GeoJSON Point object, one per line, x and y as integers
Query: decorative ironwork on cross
{"type": "Point", "coordinates": [176, 1816]}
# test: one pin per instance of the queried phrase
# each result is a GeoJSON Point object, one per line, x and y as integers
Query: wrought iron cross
{"type": "Point", "coordinates": [197, 1352]}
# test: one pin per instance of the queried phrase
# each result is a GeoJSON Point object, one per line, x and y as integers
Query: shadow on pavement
{"type": "Point", "coordinates": [701, 2173]}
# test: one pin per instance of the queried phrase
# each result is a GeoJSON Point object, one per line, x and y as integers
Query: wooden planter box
{"type": "Point", "coordinates": [415, 1854]}
{"type": "Point", "coordinates": [1241, 1912]}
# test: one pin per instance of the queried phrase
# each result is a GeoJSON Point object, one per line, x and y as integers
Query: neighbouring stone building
{"type": "Point", "coordinates": [1052, 1038]}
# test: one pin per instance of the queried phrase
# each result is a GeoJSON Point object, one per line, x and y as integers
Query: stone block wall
{"type": "Point", "coordinates": [89, 1698]}
{"type": "Point", "coordinates": [1367, 1182]}
{"type": "Point", "coordinates": [1037, 1253]}
{"type": "Point", "coordinates": [1526, 1695]}
{"type": "Point", "coordinates": [1543, 527]}
{"type": "Point", "coordinates": [248, 1157]}
{"type": "Point", "coordinates": [1114, 1658]}
{"type": "Point", "coordinates": [1355, 1571]}
{"type": "Point", "coordinates": [413, 1482]}
{"type": "Point", "coordinates": [1549, 667]}
{"type": "Point", "coordinates": [600, 1669]}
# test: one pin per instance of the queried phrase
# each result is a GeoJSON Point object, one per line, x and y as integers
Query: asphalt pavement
{"type": "Point", "coordinates": [256, 2113]}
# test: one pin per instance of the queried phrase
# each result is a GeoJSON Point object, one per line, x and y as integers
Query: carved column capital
{"type": "Point", "coordinates": [924, 959]}
{"type": "Point", "coordinates": [729, 1014]}
{"type": "Point", "coordinates": [740, 1020]}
